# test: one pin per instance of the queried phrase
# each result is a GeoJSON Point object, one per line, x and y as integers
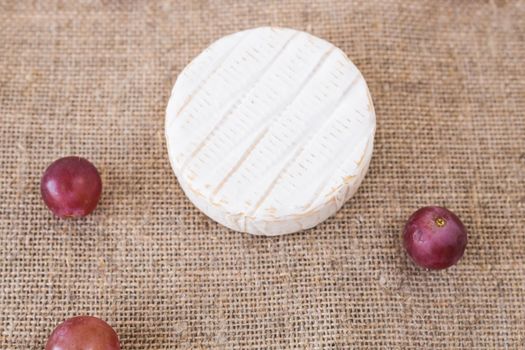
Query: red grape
{"type": "Point", "coordinates": [435, 238]}
{"type": "Point", "coordinates": [83, 333]}
{"type": "Point", "coordinates": [71, 187]}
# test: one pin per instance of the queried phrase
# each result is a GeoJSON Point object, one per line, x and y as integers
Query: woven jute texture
{"type": "Point", "coordinates": [92, 78]}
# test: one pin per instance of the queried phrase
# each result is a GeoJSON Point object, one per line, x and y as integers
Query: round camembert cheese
{"type": "Point", "coordinates": [270, 130]}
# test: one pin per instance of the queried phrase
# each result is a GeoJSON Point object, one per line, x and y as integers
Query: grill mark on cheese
{"type": "Point", "coordinates": [370, 103]}
{"type": "Point", "coordinates": [327, 177]}
{"type": "Point", "coordinates": [240, 162]}
{"type": "Point", "coordinates": [299, 149]}
{"type": "Point", "coordinates": [201, 85]}
{"type": "Point", "coordinates": [239, 100]}
{"type": "Point", "coordinates": [267, 125]}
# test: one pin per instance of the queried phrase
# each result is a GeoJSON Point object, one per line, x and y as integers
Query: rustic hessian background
{"type": "Point", "coordinates": [92, 78]}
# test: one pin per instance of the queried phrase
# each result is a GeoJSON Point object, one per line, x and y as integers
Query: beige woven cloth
{"type": "Point", "coordinates": [92, 78]}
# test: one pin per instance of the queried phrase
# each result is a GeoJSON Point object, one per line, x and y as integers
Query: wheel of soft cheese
{"type": "Point", "coordinates": [270, 130]}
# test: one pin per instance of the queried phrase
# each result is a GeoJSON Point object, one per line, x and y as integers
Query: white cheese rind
{"type": "Point", "coordinates": [270, 130]}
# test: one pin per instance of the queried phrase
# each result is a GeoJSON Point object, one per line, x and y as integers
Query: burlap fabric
{"type": "Point", "coordinates": [92, 78]}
